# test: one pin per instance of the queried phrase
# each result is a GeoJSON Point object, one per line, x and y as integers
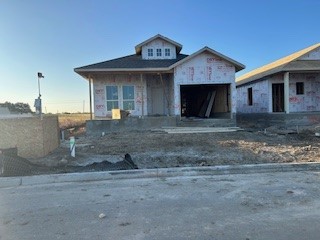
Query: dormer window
{"type": "Point", "coordinates": [150, 52]}
{"type": "Point", "coordinates": [167, 52]}
{"type": "Point", "coordinates": [159, 52]}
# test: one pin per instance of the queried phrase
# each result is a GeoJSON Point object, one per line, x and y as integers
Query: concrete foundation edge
{"type": "Point", "coordinates": [6, 182]}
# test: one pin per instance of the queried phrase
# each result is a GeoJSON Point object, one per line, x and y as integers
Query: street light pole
{"type": "Point", "coordinates": [39, 98]}
{"type": "Point", "coordinates": [39, 86]}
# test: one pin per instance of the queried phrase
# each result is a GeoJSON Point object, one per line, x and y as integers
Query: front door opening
{"type": "Point", "coordinates": [205, 101]}
{"type": "Point", "coordinates": [157, 101]}
{"type": "Point", "coordinates": [278, 97]}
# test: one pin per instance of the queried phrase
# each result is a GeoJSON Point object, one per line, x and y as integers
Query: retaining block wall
{"type": "Point", "coordinates": [32, 136]}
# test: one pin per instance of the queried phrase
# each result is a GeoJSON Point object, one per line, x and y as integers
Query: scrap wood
{"type": "Point", "coordinates": [210, 104]}
{"type": "Point", "coordinates": [198, 129]}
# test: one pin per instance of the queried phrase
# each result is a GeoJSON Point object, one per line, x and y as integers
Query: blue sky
{"type": "Point", "coordinates": [55, 36]}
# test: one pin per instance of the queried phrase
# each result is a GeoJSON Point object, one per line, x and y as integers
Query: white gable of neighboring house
{"type": "Point", "coordinates": [159, 49]}
{"type": "Point", "coordinates": [314, 55]}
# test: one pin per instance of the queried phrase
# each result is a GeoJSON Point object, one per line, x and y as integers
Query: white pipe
{"type": "Point", "coordinates": [72, 147]}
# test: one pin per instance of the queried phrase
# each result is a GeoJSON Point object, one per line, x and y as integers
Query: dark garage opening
{"type": "Point", "coordinates": [205, 101]}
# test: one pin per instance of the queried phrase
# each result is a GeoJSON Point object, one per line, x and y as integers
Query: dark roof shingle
{"type": "Point", "coordinates": [132, 62]}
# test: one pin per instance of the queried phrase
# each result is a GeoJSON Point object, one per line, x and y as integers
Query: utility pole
{"type": "Point", "coordinates": [37, 102]}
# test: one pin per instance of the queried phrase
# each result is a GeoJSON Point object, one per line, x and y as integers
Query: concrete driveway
{"type": "Point", "coordinates": [283, 205]}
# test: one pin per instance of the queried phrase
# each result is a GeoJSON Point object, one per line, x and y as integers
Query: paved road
{"type": "Point", "coordinates": [247, 206]}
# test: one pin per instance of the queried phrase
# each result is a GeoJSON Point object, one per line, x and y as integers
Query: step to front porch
{"type": "Point", "coordinates": [206, 122]}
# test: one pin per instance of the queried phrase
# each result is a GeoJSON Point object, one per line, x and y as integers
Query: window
{"type": "Point", "coordinates": [150, 52]}
{"type": "Point", "coordinates": [250, 96]}
{"type": "Point", "coordinates": [167, 52]}
{"type": "Point", "coordinates": [123, 99]}
{"type": "Point", "coordinates": [112, 97]}
{"type": "Point", "coordinates": [299, 88]}
{"type": "Point", "coordinates": [128, 97]}
{"type": "Point", "coordinates": [159, 52]}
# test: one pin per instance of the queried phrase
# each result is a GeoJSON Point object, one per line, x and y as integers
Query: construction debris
{"type": "Point", "coordinates": [207, 105]}
{"type": "Point", "coordinates": [198, 129]}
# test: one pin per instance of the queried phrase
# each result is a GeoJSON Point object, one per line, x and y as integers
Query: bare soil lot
{"type": "Point", "coordinates": [157, 149]}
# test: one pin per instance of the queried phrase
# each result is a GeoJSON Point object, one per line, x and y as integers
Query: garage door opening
{"type": "Point", "coordinates": [205, 101]}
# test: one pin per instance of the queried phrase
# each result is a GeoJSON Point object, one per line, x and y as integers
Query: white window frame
{"type": "Point", "coordinates": [150, 52]}
{"type": "Point", "coordinates": [128, 100]}
{"type": "Point", "coordinates": [167, 52]}
{"type": "Point", "coordinates": [119, 102]}
{"type": "Point", "coordinates": [159, 52]}
{"type": "Point", "coordinates": [112, 100]}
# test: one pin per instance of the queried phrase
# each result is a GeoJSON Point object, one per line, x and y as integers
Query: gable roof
{"type": "Point", "coordinates": [287, 63]}
{"type": "Point", "coordinates": [135, 63]}
{"type": "Point", "coordinates": [237, 65]}
{"type": "Point", "coordinates": [177, 45]}
{"type": "Point", "coordinates": [131, 63]}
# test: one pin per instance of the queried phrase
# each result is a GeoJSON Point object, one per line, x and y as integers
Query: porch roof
{"type": "Point", "coordinates": [288, 63]}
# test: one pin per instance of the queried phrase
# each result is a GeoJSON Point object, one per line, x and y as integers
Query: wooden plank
{"type": "Point", "coordinates": [201, 129]}
{"type": "Point", "coordinates": [209, 108]}
{"type": "Point", "coordinates": [204, 106]}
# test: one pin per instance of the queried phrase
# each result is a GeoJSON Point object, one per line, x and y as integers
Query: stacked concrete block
{"type": "Point", "coordinates": [33, 137]}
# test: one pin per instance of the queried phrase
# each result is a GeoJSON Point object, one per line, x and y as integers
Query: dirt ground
{"type": "Point", "coordinates": [158, 149]}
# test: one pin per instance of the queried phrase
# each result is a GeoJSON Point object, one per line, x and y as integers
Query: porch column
{"type": "Point", "coordinates": [142, 101]}
{"type": "Point", "coordinates": [286, 92]}
{"type": "Point", "coordinates": [90, 97]}
{"type": "Point", "coordinates": [231, 89]}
